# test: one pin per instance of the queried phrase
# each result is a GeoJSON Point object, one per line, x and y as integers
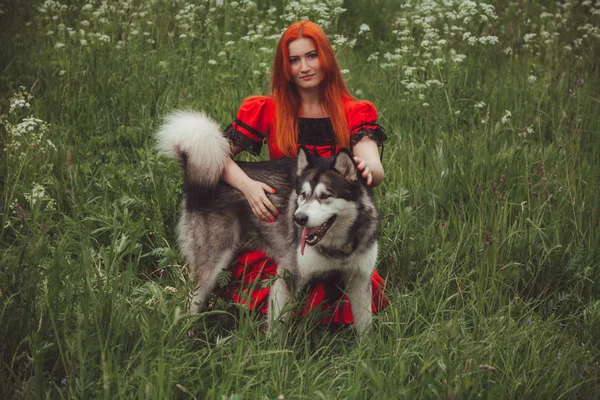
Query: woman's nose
{"type": "Point", "coordinates": [304, 65]}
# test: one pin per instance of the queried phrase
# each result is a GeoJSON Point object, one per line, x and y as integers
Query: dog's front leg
{"type": "Point", "coordinates": [359, 291]}
{"type": "Point", "coordinates": [278, 299]}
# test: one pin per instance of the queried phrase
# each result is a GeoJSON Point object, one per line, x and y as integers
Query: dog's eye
{"type": "Point", "coordinates": [302, 194]}
{"type": "Point", "coordinates": [325, 196]}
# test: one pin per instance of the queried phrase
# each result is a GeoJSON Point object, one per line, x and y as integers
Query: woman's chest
{"type": "Point", "coordinates": [315, 134]}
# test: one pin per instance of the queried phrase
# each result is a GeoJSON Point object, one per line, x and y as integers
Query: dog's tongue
{"type": "Point", "coordinates": [306, 232]}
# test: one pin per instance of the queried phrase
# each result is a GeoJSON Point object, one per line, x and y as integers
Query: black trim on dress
{"type": "Point", "coordinates": [377, 134]}
{"type": "Point", "coordinates": [237, 138]}
{"type": "Point", "coordinates": [259, 136]}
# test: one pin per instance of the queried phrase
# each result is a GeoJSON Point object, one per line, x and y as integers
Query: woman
{"type": "Point", "coordinates": [309, 105]}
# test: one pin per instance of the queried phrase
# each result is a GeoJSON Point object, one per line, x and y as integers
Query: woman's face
{"type": "Point", "coordinates": [304, 60]}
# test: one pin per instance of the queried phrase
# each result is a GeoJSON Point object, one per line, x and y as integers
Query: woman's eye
{"type": "Point", "coordinates": [312, 56]}
{"type": "Point", "coordinates": [293, 60]}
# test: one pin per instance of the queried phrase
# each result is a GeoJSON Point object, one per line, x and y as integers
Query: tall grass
{"type": "Point", "coordinates": [490, 237]}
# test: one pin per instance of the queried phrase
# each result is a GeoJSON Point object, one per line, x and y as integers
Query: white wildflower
{"type": "Point", "coordinates": [508, 51]}
{"type": "Point", "coordinates": [212, 62]}
{"type": "Point", "coordinates": [373, 57]}
{"type": "Point", "coordinates": [434, 82]}
{"type": "Point", "coordinates": [59, 45]}
{"type": "Point", "coordinates": [50, 144]}
{"type": "Point", "coordinates": [458, 58]}
{"type": "Point", "coordinates": [363, 29]}
{"type": "Point", "coordinates": [345, 71]}
{"type": "Point", "coordinates": [408, 71]}
{"type": "Point", "coordinates": [425, 105]}
{"type": "Point", "coordinates": [531, 78]}
{"type": "Point", "coordinates": [339, 40]}
{"type": "Point", "coordinates": [37, 194]}
{"type": "Point", "coordinates": [20, 100]}
{"type": "Point", "coordinates": [230, 43]}
{"type": "Point", "coordinates": [85, 23]}
{"type": "Point", "coordinates": [488, 39]}
{"type": "Point", "coordinates": [480, 104]}
{"type": "Point", "coordinates": [506, 118]}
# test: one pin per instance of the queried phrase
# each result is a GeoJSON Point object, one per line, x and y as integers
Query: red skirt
{"type": "Point", "coordinates": [253, 272]}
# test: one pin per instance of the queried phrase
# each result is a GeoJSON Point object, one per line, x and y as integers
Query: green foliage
{"type": "Point", "coordinates": [490, 204]}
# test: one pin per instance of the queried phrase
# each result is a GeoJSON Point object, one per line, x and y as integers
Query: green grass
{"type": "Point", "coordinates": [490, 231]}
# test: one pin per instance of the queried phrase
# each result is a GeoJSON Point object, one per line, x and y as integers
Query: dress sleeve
{"type": "Point", "coordinates": [251, 124]}
{"type": "Point", "coordinates": [362, 123]}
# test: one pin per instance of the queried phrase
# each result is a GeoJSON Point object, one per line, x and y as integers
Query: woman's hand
{"type": "Point", "coordinates": [261, 206]}
{"type": "Point", "coordinates": [367, 161]}
{"type": "Point", "coordinates": [363, 167]}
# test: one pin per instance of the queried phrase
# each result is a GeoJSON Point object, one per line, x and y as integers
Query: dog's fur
{"type": "Point", "coordinates": [311, 193]}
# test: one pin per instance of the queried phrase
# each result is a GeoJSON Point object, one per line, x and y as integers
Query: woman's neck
{"type": "Point", "coordinates": [311, 105]}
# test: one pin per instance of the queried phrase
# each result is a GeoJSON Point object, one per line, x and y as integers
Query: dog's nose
{"type": "Point", "coordinates": [301, 219]}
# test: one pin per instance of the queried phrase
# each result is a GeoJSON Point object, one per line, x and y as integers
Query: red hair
{"type": "Point", "coordinates": [286, 96]}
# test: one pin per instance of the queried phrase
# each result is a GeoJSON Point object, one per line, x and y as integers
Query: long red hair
{"type": "Point", "coordinates": [286, 96]}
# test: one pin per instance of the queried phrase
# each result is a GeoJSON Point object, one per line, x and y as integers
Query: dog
{"type": "Point", "coordinates": [327, 223]}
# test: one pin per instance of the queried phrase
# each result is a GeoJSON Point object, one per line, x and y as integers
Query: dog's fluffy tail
{"type": "Point", "coordinates": [196, 140]}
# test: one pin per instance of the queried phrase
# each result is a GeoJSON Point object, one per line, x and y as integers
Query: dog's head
{"type": "Point", "coordinates": [329, 192]}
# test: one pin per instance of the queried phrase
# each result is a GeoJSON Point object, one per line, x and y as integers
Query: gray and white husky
{"type": "Point", "coordinates": [327, 221]}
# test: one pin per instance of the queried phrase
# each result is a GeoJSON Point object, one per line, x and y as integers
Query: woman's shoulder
{"type": "Point", "coordinates": [359, 112]}
{"type": "Point", "coordinates": [353, 106]}
{"type": "Point", "coordinates": [258, 104]}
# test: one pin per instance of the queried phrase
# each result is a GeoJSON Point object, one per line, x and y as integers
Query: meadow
{"type": "Point", "coordinates": [490, 237]}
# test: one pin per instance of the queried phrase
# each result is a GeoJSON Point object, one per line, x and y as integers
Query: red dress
{"type": "Point", "coordinates": [253, 271]}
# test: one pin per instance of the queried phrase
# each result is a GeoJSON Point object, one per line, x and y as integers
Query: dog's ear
{"type": "Point", "coordinates": [303, 161]}
{"type": "Point", "coordinates": [344, 164]}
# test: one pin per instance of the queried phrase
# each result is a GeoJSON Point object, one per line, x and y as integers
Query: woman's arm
{"type": "Point", "coordinates": [254, 191]}
{"type": "Point", "coordinates": [366, 156]}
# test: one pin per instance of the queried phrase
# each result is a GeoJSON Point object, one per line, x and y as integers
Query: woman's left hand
{"type": "Point", "coordinates": [366, 157]}
{"type": "Point", "coordinates": [365, 170]}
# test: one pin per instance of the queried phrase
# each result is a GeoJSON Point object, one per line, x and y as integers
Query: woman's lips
{"type": "Point", "coordinates": [307, 77]}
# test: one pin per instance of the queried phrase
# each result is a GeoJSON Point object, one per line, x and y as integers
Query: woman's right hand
{"type": "Point", "coordinates": [261, 206]}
